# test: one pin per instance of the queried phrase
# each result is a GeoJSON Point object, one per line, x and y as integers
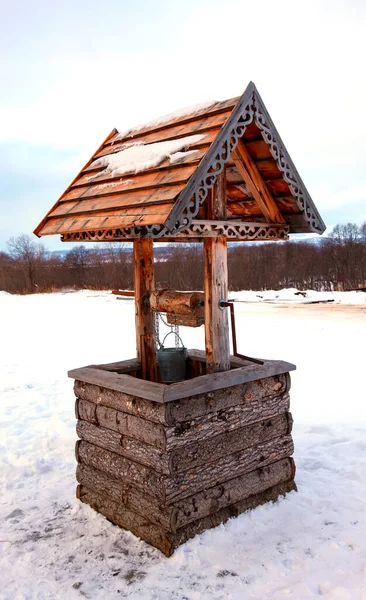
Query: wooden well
{"type": "Point", "coordinates": [169, 461]}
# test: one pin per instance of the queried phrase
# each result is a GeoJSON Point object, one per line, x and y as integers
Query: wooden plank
{"type": "Point", "coordinates": [195, 319]}
{"type": "Point", "coordinates": [252, 177]}
{"type": "Point", "coordinates": [235, 361]}
{"type": "Point", "coordinates": [206, 138]}
{"type": "Point", "coordinates": [226, 379]}
{"type": "Point", "coordinates": [247, 208]}
{"type": "Point", "coordinates": [122, 366]}
{"type": "Point", "coordinates": [167, 541]}
{"type": "Point", "coordinates": [132, 203]}
{"type": "Point", "coordinates": [216, 108]}
{"type": "Point", "coordinates": [259, 150]}
{"type": "Point", "coordinates": [160, 392]}
{"type": "Point", "coordinates": [203, 125]}
{"type": "Point", "coordinates": [279, 187]}
{"type": "Point", "coordinates": [138, 181]}
{"type": "Point", "coordinates": [120, 383]}
{"type": "Point", "coordinates": [166, 164]}
{"type": "Point", "coordinates": [216, 200]}
{"type": "Point", "coordinates": [149, 215]}
{"type": "Point", "coordinates": [143, 254]}
{"type": "Point", "coordinates": [194, 507]}
{"type": "Point", "coordinates": [216, 320]}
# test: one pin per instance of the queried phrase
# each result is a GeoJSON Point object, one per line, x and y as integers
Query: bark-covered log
{"type": "Point", "coordinates": [180, 303]}
{"type": "Point", "coordinates": [216, 423]}
{"type": "Point", "coordinates": [191, 455]}
{"type": "Point", "coordinates": [195, 480]}
{"type": "Point", "coordinates": [230, 492]}
{"type": "Point", "coordinates": [196, 430]}
{"type": "Point", "coordinates": [189, 408]}
{"type": "Point", "coordinates": [139, 407]}
{"type": "Point", "coordinates": [137, 451]}
{"type": "Point", "coordinates": [185, 409]}
{"type": "Point", "coordinates": [212, 449]}
{"type": "Point", "coordinates": [123, 469]}
{"type": "Point", "coordinates": [128, 495]}
{"type": "Point", "coordinates": [156, 535]}
{"type": "Point", "coordinates": [194, 507]}
{"type": "Point", "coordinates": [170, 489]}
{"type": "Point", "coordinates": [126, 424]}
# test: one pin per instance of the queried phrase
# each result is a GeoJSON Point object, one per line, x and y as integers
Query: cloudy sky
{"type": "Point", "coordinates": [72, 70]}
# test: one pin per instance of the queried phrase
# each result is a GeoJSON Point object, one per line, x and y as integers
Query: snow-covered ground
{"type": "Point", "coordinates": [310, 544]}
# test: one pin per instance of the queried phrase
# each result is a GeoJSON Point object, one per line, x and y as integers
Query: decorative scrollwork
{"type": "Point", "coordinates": [232, 231]}
{"type": "Point", "coordinates": [286, 167]}
{"type": "Point", "coordinates": [216, 159]}
{"type": "Point", "coordinates": [237, 231]}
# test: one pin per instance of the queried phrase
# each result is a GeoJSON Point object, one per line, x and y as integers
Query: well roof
{"type": "Point", "coordinates": [155, 180]}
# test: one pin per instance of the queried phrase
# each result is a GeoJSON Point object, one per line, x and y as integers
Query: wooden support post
{"type": "Point", "coordinates": [144, 320]}
{"type": "Point", "coordinates": [216, 289]}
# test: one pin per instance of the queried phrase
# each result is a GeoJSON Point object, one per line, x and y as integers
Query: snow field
{"type": "Point", "coordinates": [307, 545]}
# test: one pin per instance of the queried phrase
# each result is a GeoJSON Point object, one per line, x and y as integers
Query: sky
{"type": "Point", "coordinates": [72, 70]}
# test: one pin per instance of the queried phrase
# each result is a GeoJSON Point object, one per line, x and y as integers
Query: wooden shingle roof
{"type": "Point", "coordinates": [154, 181]}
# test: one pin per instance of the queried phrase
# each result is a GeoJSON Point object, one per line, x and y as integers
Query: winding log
{"type": "Point", "coordinates": [169, 489]}
{"type": "Point", "coordinates": [156, 535]}
{"type": "Point", "coordinates": [179, 303]}
{"type": "Point", "coordinates": [194, 507]}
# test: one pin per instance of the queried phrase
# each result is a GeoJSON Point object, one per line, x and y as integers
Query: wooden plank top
{"type": "Point", "coordinates": [171, 161]}
{"type": "Point", "coordinates": [243, 372]}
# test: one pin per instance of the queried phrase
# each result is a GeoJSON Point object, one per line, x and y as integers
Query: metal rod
{"type": "Point", "coordinates": [230, 305]}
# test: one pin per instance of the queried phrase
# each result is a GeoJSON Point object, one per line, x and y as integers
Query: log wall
{"type": "Point", "coordinates": [167, 471]}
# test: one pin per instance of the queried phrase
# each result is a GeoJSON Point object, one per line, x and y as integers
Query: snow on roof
{"type": "Point", "coordinates": [178, 114]}
{"type": "Point", "coordinates": [140, 157]}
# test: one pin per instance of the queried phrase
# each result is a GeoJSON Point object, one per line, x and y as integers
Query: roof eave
{"type": "Point", "coordinates": [38, 229]}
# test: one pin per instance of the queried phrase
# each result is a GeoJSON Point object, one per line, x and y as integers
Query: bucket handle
{"type": "Point", "coordinates": [178, 336]}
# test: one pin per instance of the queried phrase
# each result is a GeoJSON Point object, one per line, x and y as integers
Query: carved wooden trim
{"type": "Point", "coordinates": [198, 229]}
{"type": "Point", "coordinates": [286, 166]}
{"type": "Point", "coordinates": [212, 164]}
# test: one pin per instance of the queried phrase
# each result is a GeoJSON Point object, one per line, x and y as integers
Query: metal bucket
{"type": "Point", "coordinates": [172, 363]}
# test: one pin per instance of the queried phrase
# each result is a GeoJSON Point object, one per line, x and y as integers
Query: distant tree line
{"type": "Point", "coordinates": [335, 262]}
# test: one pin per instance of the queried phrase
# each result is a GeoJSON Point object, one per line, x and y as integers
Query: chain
{"type": "Point", "coordinates": [173, 329]}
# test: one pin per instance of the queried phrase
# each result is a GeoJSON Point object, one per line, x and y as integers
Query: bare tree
{"type": "Point", "coordinates": [29, 255]}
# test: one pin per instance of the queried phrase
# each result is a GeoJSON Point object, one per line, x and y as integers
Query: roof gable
{"type": "Point", "coordinates": [154, 180]}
